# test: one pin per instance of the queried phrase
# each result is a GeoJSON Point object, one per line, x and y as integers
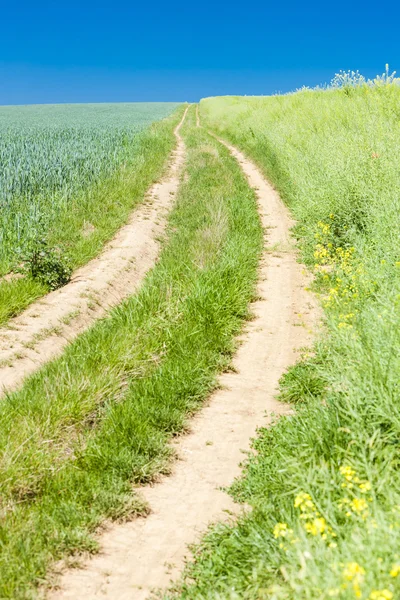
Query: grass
{"type": "Point", "coordinates": [81, 431]}
{"type": "Point", "coordinates": [107, 155]}
{"type": "Point", "coordinates": [324, 485]}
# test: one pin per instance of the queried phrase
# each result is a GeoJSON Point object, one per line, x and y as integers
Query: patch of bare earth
{"type": "Point", "coordinates": [42, 331]}
{"type": "Point", "coordinates": [148, 553]}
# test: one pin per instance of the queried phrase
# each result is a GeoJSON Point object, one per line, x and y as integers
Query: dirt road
{"type": "Point", "coordinates": [42, 331]}
{"type": "Point", "coordinates": [144, 554]}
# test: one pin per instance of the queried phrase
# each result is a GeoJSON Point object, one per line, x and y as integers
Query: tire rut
{"type": "Point", "coordinates": [148, 553]}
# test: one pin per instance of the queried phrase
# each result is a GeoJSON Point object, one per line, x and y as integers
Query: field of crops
{"type": "Point", "coordinates": [71, 174]}
{"type": "Point", "coordinates": [49, 154]}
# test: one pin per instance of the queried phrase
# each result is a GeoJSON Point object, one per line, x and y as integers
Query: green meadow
{"type": "Point", "coordinates": [324, 483]}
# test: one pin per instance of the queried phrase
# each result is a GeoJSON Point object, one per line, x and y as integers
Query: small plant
{"type": "Point", "coordinates": [386, 78]}
{"type": "Point", "coordinates": [45, 264]}
{"type": "Point", "coordinates": [346, 79]}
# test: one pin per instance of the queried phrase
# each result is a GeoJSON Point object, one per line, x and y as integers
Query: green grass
{"type": "Point", "coordinates": [107, 155]}
{"type": "Point", "coordinates": [334, 156]}
{"type": "Point", "coordinates": [80, 432]}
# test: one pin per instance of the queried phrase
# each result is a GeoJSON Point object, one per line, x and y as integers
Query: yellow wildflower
{"type": "Point", "coordinates": [365, 487]}
{"type": "Point", "coordinates": [357, 589]}
{"type": "Point", "coordinates": [359, 505]}
{"type": "Point", "coordinates": [303, 499]}
{"type": "Point", "coordinates": [395, 570]}
{"type": "Point", "coordinates": [381, 595]}
{"type": "Point", "coordinates": [353, 571]}
{"type": "Point", "coordinates": [313, 522]}
{"type": "Point", "coordinates": [347, 472]}
{"type": "Point", "coordinates": [281, 530]}
{"type": "Point", "coordinates": [316, 527]}
{"type": "Point", "coordinates": [354, 507]}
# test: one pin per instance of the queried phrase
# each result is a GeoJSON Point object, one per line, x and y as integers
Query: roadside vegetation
{"type": "Point", "coordinates": [324, 485]}
{"type": "Point", "coordinates": [70, 176]}
{"type": "Point", "coordinates": [86, 428]}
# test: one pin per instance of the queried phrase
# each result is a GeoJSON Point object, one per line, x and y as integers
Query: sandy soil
{"type": "Point", "coordinates": [42, 331]}
{"type": "Point", "coordinates": [147, 553]}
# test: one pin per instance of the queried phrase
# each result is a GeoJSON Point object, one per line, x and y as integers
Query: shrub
{"type": "Point", "coordinates": [48, 265]}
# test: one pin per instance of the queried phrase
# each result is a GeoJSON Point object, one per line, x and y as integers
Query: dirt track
{"type": "Point", "coordinates": [42, 331]}
{"type": "Point", "coordinates": [146, 553]}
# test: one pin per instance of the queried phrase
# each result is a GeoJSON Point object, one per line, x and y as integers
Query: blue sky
{"type": "Point", "coordinates": [95, 51]}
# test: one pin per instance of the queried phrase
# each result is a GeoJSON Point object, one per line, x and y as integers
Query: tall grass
{"type": "Point", "coordinates": [72, 174]}
{"type": "Point", "coordinates": [99, 419]}
{"type": "Point", "coordinates": [325, 483]}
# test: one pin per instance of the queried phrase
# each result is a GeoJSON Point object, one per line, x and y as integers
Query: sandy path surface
{"type": "Point", "coordinates": [147, 553]}
{"type": "Point", "coordinates": [42, 331]}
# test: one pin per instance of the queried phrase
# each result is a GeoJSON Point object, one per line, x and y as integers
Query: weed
{"type": "Point", "coordinates": [47, 265]}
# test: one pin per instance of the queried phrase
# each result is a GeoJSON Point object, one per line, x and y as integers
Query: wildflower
{"type": "Point", "coordinates": [346, 317]}
{"type": "Point", "coordinates": [325, 227]}
{"type": "Point", "coordinates": [354, 507]}
{"type": "Point", "coordinates": [365, 487]}
{"type": "Point", "coordinates": [316, 527]}
{"type": "Point", "coordinates": [395, 570]}
{"type": "Point", "coordinates": [314, 524]}
{"type": "Point", "coordinates": [303, 500]}
{"type": "Point", "coordinates": [359, 505]}
{"type": "Point", "coordinates": [333, 592]}
{"type": "Point", "coordinates": [381, 595]}
{"type": "Point", "coordinates": [347, 472]}
{"type": "Point", "coordinates": [353, 571]}
{"type": "Point", "coordinates": [281, 530]}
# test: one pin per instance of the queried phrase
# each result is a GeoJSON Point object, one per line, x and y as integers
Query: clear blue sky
{"type": "Point", "coordinates": [95, 51]}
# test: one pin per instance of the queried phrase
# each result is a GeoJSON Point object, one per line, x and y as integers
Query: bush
{"type": "Point", "coordinates": [47, 265]}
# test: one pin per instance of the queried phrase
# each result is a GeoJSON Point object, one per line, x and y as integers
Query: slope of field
{"type": "Point", "coordinates": [71, 174]}
{"type": "Point", "coordinates": [82, 430]}
{"type": "Point", "coordinates": [324, 485]}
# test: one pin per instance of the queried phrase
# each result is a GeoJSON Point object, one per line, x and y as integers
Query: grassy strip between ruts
{"type": "Point", "coordinates": [324, 485]}
{"type": "Point", "coordinates": [97, 213]}
{"type": "Point", "coordinates": [90, 424]}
